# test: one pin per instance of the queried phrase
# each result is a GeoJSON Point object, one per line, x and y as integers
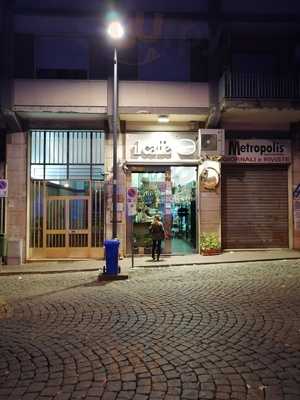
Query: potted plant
{"type": "Point", "coordinates": [210, 244]}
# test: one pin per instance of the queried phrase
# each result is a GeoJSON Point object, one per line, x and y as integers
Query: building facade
{"type": "Point", "coordinates": [194, 84]}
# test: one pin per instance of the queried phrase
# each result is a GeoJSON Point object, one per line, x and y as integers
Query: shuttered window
{"type": "Point", "coordinates": [254, 206]}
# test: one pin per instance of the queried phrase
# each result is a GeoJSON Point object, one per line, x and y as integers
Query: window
{"type": "Point", "coordinates": [64, 155]}
{"type": "Point", "coordinates": [24, 56]}
{"type": "Point", "coordinates": [254, 62]}
{"type": "Point", "coordinates": [62, 57]}
{"type": "Point", "coordinates": [101, 59]}
{"type": "Point", "coordinates": [199, 61]}
{"type": "Point", "coordinates": [157, 60]}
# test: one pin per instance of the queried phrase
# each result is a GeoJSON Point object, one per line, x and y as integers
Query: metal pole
{"type": "Point", "coordinates": [115, 139]}
{"type": "Point", "coordinates": [132, 242]}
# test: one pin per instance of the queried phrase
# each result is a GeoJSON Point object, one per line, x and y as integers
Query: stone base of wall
{"type": "Point", "coordinates": [14, 252]}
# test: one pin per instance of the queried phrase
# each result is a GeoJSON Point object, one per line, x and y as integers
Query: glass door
{"type": "Point", "coordinates": [152, 190]}
{"type": "Point", "coordinates": [183, 209]}
{"type": "Point", "coordinates": [171, 194]}
{"type": "Point", "coordinates": [66, 219]}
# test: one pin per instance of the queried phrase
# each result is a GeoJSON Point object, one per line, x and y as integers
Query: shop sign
{"type": "Point", "coordinates": [162, 147]}
{"type": "Point", "coordinates": [3, 187]}
{"type": "Point", "coordinates": [256, 151]}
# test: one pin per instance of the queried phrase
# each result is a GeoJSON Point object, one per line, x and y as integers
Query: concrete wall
{"type": "Point", "coordinates": [163, 94]}
{"type": "Point", "coordinates": [210, 211]}
{"type": "Point", "coordinates": [16, 157]}
{"type": "Point", "coordinates": [60, 93]}
{"type": "Point", "coordinates": [92, 95]}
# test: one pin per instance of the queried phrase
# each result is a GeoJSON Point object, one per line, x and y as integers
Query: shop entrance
{"type": "Point", "coordinates": [66, 219]}
{"type": "Point", "coordinates": [169, 192]}
{"type": "Point", "coordinates": [255, 206]}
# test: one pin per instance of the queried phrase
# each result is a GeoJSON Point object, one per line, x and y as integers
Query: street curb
{"type": "Point", "coordinates": [217, 262]}
{"type": "Point", "coordinates": [6, 273]}
{"type": "Point", "coordinates": [110, 278]}
{"type": "Point", "coordinates": [12, 273]}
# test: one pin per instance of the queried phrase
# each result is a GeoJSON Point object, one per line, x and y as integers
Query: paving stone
{"type": "Point", "coordinates": [214, 332]}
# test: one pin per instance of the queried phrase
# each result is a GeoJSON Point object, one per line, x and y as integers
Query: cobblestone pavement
{"type": "Point", "coordinates": [229, 331]}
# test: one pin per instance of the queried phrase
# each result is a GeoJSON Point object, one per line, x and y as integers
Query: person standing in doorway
{"type": "Point", "coordinates": [158, 234]}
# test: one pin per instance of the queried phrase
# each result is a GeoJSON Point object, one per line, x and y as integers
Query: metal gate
{"type": "Point", "coordinates": [254, 206]}
{"type": "Point", "coordinates": [66, 226]}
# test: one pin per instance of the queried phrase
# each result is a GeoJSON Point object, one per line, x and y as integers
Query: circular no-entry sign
{"type": "Point", "coordinates": [3, 184]}
{"type": "Point", "coordinates": [132, 193]}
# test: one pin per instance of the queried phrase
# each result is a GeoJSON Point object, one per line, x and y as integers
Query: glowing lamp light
{"type": "Point", "coordinates": [116, 30]}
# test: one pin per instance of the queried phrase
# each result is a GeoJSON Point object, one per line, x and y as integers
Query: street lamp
{"type": "Point", "coordinates": [116, 31]}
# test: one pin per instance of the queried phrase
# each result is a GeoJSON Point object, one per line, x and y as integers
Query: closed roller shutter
{"type": "Point", "coordinates": [254, 206]}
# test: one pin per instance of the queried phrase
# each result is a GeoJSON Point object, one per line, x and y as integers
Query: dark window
{"type": "Point", "coordinates": [254, 62]}
{"type": "Point", "coordinates": [164, 60]}
{"type": "Point", "coordinates": [61, 74]}
{"type": "Point", "coordinates": [62, 57]}
{"type": "Point", "coordinates": [297, 55]}
{"type": "Point", "coordinates": [128, 61]}
{"type": "Point", "coordinates": [199, 61]}
{"type": "Point", "coordinates": [100, 59]}
{"type": "Point", "coordinates": [2, 147]}
{"type": "Point", "coordinates": [24, 56]}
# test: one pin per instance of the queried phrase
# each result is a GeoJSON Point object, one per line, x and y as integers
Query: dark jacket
{"type": "Point", "coordinates": [157, 231]}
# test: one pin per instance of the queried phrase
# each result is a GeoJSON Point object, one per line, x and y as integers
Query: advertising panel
{"type": "Point", "coordinates": [256, 151]}
{"type": "Point", "coordinates": [162, 147]}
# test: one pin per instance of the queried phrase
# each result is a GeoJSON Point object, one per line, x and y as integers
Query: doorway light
{"type": "Point", "coordinates": [163, 119]}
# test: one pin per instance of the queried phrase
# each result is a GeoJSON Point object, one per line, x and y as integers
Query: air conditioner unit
{"type": "Point", "coordinates": [212, 142]}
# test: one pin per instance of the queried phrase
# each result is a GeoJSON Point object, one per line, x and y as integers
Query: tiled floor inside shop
{"type": "Point", "coordinates": [181, 246]}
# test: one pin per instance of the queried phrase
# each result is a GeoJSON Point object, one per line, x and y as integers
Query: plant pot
{"type": "Point", "coordinates": [210, 252]}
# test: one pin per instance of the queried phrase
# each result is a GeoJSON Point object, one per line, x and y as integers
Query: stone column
{"type": "Point", "coordinates": [16, 161]}
{"type": "Point", "coordinates": [121, 190]}
{"type": "Point", "coordinates": [210, 198]}
{"type": "Point", "coordinates": [210, 211]}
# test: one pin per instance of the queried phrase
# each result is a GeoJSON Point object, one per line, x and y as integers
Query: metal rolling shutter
{"type": "Point", "coordinates": [254, 206]}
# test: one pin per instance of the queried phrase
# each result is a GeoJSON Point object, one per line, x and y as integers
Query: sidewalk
{"type": "Point", "coordinates": [48, 267]}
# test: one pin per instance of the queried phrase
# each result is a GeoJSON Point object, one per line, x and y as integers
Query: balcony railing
{"type": "Point", "coordinates": [252, 85]}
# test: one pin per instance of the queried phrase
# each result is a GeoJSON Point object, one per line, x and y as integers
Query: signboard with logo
{"type": "Point", "coordinates": [3, 187]}
{"type": "Point", "coordinates": [162, 147]}
{"type": "Point", "coordinates": [256, 151]}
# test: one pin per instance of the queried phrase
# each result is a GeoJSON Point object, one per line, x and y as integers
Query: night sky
{"type": "Point", "coordinates": [233, 6]}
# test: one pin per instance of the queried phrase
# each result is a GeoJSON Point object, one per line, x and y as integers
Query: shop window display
{"type": "Point", "coordinates": [171, 195]}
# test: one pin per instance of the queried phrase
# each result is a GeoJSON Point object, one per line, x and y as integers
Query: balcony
{"type": "Point", "coordinates": [44, 102]}
{"type": "Point", "coordinates": [250, 100]}
{"type": "Point", "coordinates": [258, 86]}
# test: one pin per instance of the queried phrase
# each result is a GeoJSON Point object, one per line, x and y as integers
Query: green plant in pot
{"type": "Point", "coordinates": [210, 244]}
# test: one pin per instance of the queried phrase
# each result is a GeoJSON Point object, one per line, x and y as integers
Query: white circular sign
{"type": "Point", "coordinates": [186, 147]}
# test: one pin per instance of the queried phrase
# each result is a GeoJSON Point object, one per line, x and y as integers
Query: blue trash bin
{"type": "Point", "coordinates": [111, 257]}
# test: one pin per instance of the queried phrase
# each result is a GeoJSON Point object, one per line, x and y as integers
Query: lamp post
{"type": "Point", "coordinates": [116, 32]}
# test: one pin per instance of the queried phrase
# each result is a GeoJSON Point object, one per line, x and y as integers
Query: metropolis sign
{"type": "Point", "coordinates": [257, 151]}
{"type": "Point", "coordinates": [162, 147]}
